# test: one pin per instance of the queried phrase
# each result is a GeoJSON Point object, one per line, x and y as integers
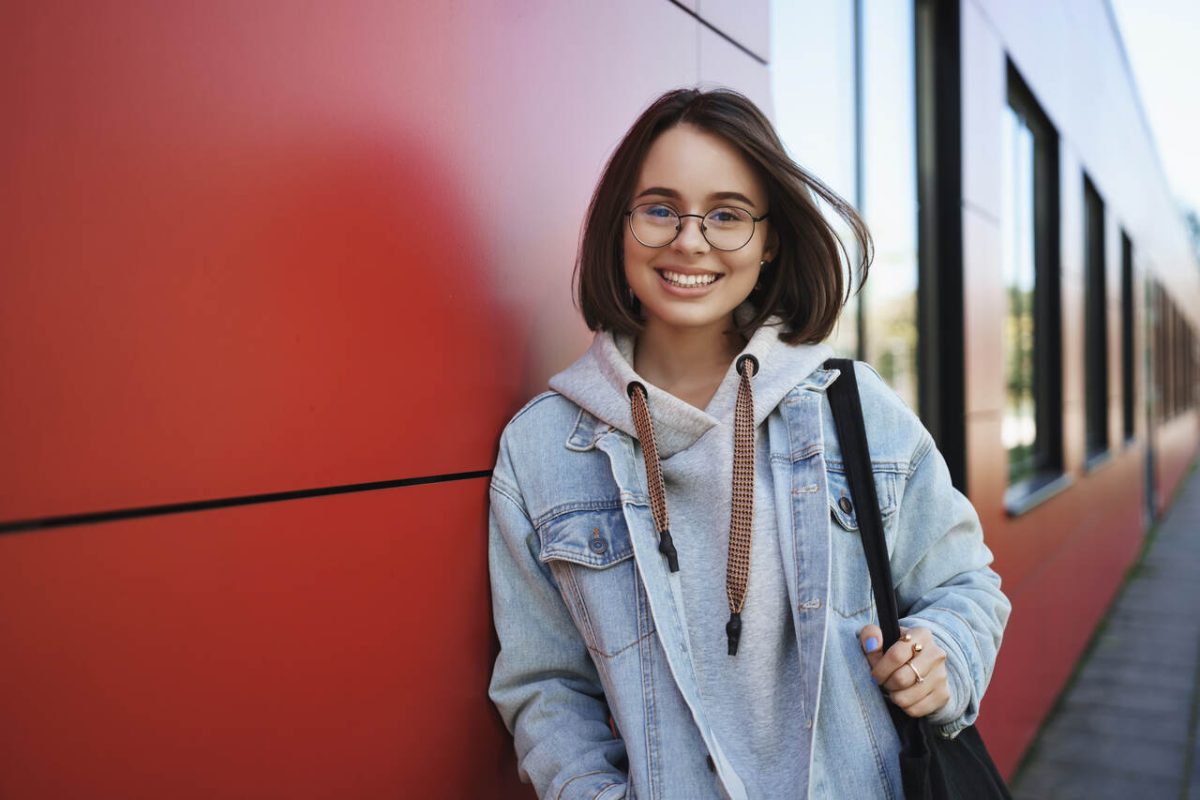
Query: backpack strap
{"type": "Point", "coordinates": [847, 410]}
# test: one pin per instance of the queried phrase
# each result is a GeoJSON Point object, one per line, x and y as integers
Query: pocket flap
{"type": "Point", "coordinates": [842, 504]}
{"type": "Point", "coordinates": [595, 538]}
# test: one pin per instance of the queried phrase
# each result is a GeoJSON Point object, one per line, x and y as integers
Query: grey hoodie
{"type": "Point", "coordinates": [753, 696]}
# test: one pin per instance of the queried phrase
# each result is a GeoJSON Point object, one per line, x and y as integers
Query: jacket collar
{"type": "Point", "coordinates": [588, 429]}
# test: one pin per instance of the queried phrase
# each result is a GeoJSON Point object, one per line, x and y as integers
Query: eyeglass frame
{"type": "Point", "coordinates": [679, 227]}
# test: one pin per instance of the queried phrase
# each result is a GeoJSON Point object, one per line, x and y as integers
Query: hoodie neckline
{"type": "Point", "coordinates": [598, 383]}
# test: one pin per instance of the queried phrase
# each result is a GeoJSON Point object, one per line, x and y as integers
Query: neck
{"type": "Point", "coordinates": [689, 362]}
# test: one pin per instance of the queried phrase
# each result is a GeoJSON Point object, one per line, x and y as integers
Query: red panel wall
{"type": "Point", "coordinates": [250, 249]}
{"type": "Point", "coordinates": [278, 247]}
{"type": "Point", "coordinates": [331, 647]}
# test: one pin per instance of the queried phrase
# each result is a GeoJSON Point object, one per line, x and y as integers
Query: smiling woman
{"type": "Point", "coordinates": [688, 284]}
{"type": "Point", "coordinates": [672, 601]}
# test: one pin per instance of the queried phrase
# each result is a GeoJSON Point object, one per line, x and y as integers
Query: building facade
{"type": "Point", "coordinates": [275, 277]}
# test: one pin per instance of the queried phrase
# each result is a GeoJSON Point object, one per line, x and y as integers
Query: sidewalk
{"type": "Point", "coordinates": [1127, 726]}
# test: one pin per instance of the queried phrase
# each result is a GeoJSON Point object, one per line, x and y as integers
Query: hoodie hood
{"type": "Point", "coordinates": [598, 383]}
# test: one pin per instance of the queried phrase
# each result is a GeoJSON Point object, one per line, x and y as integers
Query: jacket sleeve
{"type": "Point", "coordinates": [545, 684]}
{"type": "Point", "coordinates": [944, 582]}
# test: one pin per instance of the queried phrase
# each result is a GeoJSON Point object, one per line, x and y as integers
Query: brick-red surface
{"type": "Point", "coordinates": [323, 648]}
{"type": "Point", "coordinates": [1074, 554]}
{"type": "Point", "coordinates": [256, 250]}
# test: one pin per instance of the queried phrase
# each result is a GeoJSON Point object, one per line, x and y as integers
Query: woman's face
{"type": "Point", "coordinates": [688, 284]}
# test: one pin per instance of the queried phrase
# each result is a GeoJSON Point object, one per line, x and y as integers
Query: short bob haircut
{"type": "Point", "coordinates": [806, 285]}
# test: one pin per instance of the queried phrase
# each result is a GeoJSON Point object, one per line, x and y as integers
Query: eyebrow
{"type": "Point", "coordinates": [665, 192]}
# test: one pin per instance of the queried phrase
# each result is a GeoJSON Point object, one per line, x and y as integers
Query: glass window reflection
{"type": "Point", "coordinates": [1019, 423]}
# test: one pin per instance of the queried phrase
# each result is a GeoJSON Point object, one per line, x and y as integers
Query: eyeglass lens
{"type": "Point", "coordinates": [725, 228]}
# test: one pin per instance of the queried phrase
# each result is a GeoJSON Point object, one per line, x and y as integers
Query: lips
{"type": "Point", "coordinates": [684, 280]}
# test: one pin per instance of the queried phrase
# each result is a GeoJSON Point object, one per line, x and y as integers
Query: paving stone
{"type": "Point", "coordinates": [1118, 671]}
{"type": "Point", "coordinates": [1137, 639]}
{"type": "Point", "coordinates": [1178, 658]}
{"type": "Point", "coordinates": [1057, 781]}
{"type": "Point", "coordinates": [1139, 724]}
{"type": "Point", "coordinates": [1172, 598]}
{"type": "Point", "coordinates": [1150, 698]}
{"type": "Point", "coordinates": [1118, 755]}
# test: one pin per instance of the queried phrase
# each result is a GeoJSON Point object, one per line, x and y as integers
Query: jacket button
{"type": "Point", "coordinates": [598, 545]}
{"type": "Point", "coordinates": [846, 505]}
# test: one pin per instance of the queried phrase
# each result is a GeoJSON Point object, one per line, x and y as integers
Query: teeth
{"type": "Point", "coordinates": [679, 279]}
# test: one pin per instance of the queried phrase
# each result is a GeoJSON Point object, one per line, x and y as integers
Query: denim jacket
{"type": "Point", "coordinates": [594, 676]}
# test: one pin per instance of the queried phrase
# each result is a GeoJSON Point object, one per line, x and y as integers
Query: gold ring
{"type": "Point", "coordinates": [914, 669]}
{"type": "Point", "coordinates": [907, 637]}
{"type": "Point", "coordinates": [917, 649]}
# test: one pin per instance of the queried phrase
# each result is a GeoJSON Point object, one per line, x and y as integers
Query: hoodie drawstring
{"type": "Point", "coordinates": [658, 490]}
{"type": "Point", "coordinates": [741, 517]}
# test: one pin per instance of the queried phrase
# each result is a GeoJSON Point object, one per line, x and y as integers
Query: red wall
{"type": "Point", "coordinates": [258, 249]}
{"type": "Point", "coordinates": [281, 247]}
{"type": "Point", "coordinates": [318, 648]}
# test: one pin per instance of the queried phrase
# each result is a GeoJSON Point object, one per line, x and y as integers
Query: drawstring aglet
{"type": "Point", "coordinates": [667, 547]}
{"type": "Point", "coordinates": [733, 629]}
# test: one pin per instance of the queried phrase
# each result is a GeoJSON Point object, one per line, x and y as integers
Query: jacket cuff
{"type": "Point", "coordinates": [958, 712]}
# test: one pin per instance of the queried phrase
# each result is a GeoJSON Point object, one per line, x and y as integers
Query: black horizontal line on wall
{"type": "Point", "coordinates": [27, 525]}
{"type": "Point", "coordinates": [718, 31]}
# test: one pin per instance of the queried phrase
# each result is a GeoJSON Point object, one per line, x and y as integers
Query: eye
{"type": "Point", "coordinates": [728, 216]}
{"type": "Point", "coordinates": [657, 210]}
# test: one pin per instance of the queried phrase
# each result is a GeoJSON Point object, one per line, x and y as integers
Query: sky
{"type": "Point", "coordinates": [1162, 40]}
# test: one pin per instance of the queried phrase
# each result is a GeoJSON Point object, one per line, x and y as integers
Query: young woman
{"type": "Point", "coordinates": [681, 596]}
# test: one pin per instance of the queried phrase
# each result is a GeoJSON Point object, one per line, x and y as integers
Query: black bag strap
{"type": "Point", "coordinates": [852, 434]}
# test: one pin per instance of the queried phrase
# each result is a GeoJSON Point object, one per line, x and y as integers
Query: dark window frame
{"type": "Point", "coordinates": [1128, 384]}
{"type": "Point", "coordinates": [1049, 476]}
{"type": "Point", "coordinates": [1095, 327]}
{"type": "Point", "coordinates": [941, 353]}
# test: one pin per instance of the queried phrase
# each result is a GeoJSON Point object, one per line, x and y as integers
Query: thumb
{"type": "Point", "coordinates": [871, 639]}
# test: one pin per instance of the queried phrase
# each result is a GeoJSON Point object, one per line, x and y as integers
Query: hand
{"type": "Point", "coordinates": [915, 653]}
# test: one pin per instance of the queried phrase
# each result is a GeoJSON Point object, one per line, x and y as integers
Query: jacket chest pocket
{"type": "Point", "coordinates": [591, 557]}
{"type": "Point", "coordinates": [850, 592]}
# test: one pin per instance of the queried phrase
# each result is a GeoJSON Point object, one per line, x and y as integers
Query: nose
{"type": "Point", "coordinates": [690, 238]}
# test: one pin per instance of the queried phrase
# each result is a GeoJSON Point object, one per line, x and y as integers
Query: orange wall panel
{"type": "Point", "coordinates": [322, 648]}
{"type": "Point", "coordinates": [259, 249]}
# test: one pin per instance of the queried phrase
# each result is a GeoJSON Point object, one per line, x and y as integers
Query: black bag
{"type": "Point", "coordinates": [931, 766]}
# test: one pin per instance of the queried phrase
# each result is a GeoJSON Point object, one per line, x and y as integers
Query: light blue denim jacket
{"type": "Point", "coordinates": [594, 677]}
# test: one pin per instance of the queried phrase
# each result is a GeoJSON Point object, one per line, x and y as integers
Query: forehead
{"type": "Point", "coordinates": [697, 164]}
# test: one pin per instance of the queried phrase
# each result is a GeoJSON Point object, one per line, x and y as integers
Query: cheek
{"type": "Point", "coordinates": [632, 256]}
{"type": "Point", "coordinates": [748, 270]}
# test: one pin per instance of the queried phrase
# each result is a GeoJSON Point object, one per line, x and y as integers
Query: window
{"type": "Point", "coordinates": [1175, 354]}
{"type": "Point", "coordinates": [1127, 384]}
{"type": "Point", "coordinates": [817, 120]}
{"type": "Point", "coordinates": [1095, 324]}
{"type": "Point", "coordinates": [1031, 427]}
{"type": "Point", "coordinates": [857, 131]}
{"type": "Point", "coordinates": [888, 190]}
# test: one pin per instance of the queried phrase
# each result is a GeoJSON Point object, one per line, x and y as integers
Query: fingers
{"type": "Point", "coordinates": [871, 639]}
{"type": "Point", "coordinates": [924, 698]}
{"type": "Point", "coordinates": [891, 672]}
{"type": "Point", "coordinates": [912, 671]}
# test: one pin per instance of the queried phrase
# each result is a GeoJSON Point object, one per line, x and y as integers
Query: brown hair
{"type": "Point", "coordinates": [806, 284]}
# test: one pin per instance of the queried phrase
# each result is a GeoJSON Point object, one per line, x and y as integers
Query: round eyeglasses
{"type": "Point", "coordinates": [724, 228]}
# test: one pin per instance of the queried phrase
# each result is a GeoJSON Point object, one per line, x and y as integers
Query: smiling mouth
{"type": "Point", "coordinates": [688, 281]}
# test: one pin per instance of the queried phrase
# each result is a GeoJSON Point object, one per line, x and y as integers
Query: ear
{"type": "Point", "coordinates": [772, 248]}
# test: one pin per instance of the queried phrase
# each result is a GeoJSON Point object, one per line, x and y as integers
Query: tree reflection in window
{"type": "Point", "coordinates": [1019, 424]}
